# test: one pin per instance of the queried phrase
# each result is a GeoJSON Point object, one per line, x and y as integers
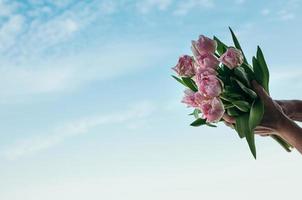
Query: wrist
{"type": "Point", "coordinates": [283, 123]}
{"type": "Point", "coordinates": [290, 107]}
{"type": "Point", "coordinates": [292, 133]}
{"type": "Point", "coordinates": [287, 107]}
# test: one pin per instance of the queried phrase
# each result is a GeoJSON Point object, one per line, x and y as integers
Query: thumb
{"type": "Point", "coordinates": [261, 92]}
{"type": "Point", "coordinates": [229, 119]}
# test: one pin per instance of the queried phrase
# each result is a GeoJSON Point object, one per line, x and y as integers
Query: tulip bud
{"type": "Point", "coordinates": [207, 60]}
{"type": "Point", "coordinates": [232, 58]}
{"type": "Point", "coordinates": [203, 45]}
{"type": "Point", "coordinates": [212, 109]}
{"type": "Point", "coordinates": [208, 83]}
{"type": "Point", "coordinates": [185, 66]}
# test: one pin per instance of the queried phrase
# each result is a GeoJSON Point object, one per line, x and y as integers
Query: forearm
{"type": "Point", "coordinates": [292, 108]}
{"type": "Point", "coordinates": [292, 133]}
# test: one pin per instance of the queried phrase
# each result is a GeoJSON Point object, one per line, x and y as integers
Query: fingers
{"type": "Point", "coordinates": [262, 134]}
{"type": "Point", "coordinates": [264, 128]}
{"type": "Point", "coordinates": [229, 119]}
{"type": "Point", "coordinates": [229, 124]}
{"type": "Point", "coordinates": [264, 131]}
{"type": "Point", "coordinates": [261, 92]}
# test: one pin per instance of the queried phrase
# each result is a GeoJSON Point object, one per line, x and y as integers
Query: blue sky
{"type": "Point", "coordinates": [89, 110]}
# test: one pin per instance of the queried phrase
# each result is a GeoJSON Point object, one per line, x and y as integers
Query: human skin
{"type": "Point", "coordinates": [292, 108]}
{"type": "Point", "coordinates": [278, 118]}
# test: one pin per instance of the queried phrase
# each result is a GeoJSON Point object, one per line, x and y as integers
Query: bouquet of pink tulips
{"type": "Point", "coordinates": [218, 82]}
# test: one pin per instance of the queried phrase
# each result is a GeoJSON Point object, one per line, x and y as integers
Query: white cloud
{"type": "Point", "coordinates": [108, 7]}
{"type": "Point", "coordinates": [240, 1]}
{"type": "Point", "coordinates": [49, 33]}
{"type": "Point", "coordinates": [33, 61]}
{"type": "Point", "coordinates": [44, 26]}
{"type": "Point", "coordinates": [281, 79]}
{"type": "Point", "coordinates": [184, 7]}
{"type": "Point", "coordinates": [10, 31]}
{"type": "Point", "coordinates": [288, 10]}
{"type": "Point", "coordinates": [265, 12]}
{"type": "Point", "coordinates": [283, 76]}
{"type": "Point", "coordinates": [15, 82]}
{"type": "Point", "coordinates": [60, 3]}
{"type": "Point", "coordinates": [65, 73]}
{"type": "Point", "coordinates": [7, 8]}
{"type": "Point", "coordinates": [286, 15]}
{"type": "Point", "coordinates": [140, 111]}
{"type": "Point", "coordinates": [146, 5]}
{"type": "Point", "coordinates": [282, 10]}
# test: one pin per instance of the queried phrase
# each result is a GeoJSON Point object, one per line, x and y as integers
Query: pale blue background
{"type": "Point", "coordinates": [88, 109]}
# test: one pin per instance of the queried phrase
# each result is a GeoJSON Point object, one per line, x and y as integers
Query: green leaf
{"type": "Point", "coordinates": [225, 73]}
{"type": "Point", "coordinates": [255, 118]}
{"type": "Point", "coordinates": [227, 106]}
{"type": "Point", "coordinates": [211, 125]}
{"type": "Point", "coordinates": [196, 113]}
{"type": "Point", "coordinates": [257, 71]}
{"type": "Point", "coordinates": [221, 47]}
{"type": "Point", "coordinates": [283, 143]}
{"type": "Point", "coordinates": [240, 134]}
{"type": "Point", "coordinates": [242, 105]}
{"type": "Point", "coordinates": [179, 80]}
{"type": "Point", "coordinates": [236, 43]}
{"type": "Point", "coordinates": [242, 75]}
{"type": "Point", "coordinates": [229, 89]}
{"type": "Point", "coordinates": [230, 97]}
{"type": "Point", "coordinates": [249, 71]}
{"type": "Point", "coordinates": [242, 127]}
{"type": "Point", "coordinates": [264, 68]}
{"type": "Point", "coordinates": [256, 114]}
{"type": "Point", "coordinates": [220, 72]}
{"type": "Point", "coordinates": [233, 112]}
{"type": "Point", "coordinates": [226, 98]}
{"type": "Point", "coordinates": [236, 96]}
{"type": "Point", "coordinates": [190, 83]}
{"type": "Point", "coordinates": [248, 91]}
{"type": "Point", "coordinates": [199, 122]}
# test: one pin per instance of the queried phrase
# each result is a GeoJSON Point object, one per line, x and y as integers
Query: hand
{"type": "Point", "coordinates": [292, 108]}
{"type": "Point", "coordinates": [260, 130]}
{"type": "Point", "coordinates": [272, 117]}
{"type": "Point", "coordinates": [273, 113]}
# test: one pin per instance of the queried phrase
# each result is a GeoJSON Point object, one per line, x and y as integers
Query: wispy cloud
{"type": "Point", "coordinates": [70, 72]}
{"type": "Point", "coordinates": [240, 1]}
{"type": "Point", "coordinates": [139, 111]}
{"type": "Point", "coordinates": [43, 26]}
{"type": "Point", "coordinates": [183, 7]}
{"type": "Point", "coordinates": [10, 31]}
{"type": "Point", "coordinates": [265, 12]}
{"type": "Point", "coordinates": [281, 83]}
{"type": "Point", "coordinates": [286, 15]}
{"type": "Point", "coordinates": [33, 43]}
{"type": "Point", "coordinates": [7, 8]}
{"type": "Point", "coordinates": [283, 10]}
{"type": "Point", "coordinates": [284, 76]}
{"type": "Point", "coordinates": [147, 5]}
{"type": "Point", "coordinates": [14, 82]}
{"type": "Point", "coordinates": [289, 10]}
